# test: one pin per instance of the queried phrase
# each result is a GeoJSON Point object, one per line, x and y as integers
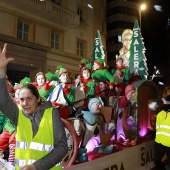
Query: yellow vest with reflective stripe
{"type": "Point", "coordinates": [163, 128]}
{"type": "Point", "coordinates": [28, 148]}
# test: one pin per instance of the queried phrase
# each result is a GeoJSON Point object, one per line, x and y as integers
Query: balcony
{"type": "Point", "coordinates": [46, 10]}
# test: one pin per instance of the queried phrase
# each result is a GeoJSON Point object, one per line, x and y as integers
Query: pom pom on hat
{"type": "Point", "coordinates": [62, 70]}
{"type": "Point", "coordinates": [129, 88]}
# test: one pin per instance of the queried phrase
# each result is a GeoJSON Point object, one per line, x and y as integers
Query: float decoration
{"type": "Point", "coordinates": [137, 58]}
{"type": "Point", "coordinates": [98, 51]}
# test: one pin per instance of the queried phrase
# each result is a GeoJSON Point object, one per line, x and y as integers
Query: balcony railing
{"type": "Point", "coordinates": [67, 17]}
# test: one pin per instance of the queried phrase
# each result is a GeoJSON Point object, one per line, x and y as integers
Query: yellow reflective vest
{"type": "Point", "coordinates": [163, 128]}
{"type": "Point", "coordinates": [30, 149]}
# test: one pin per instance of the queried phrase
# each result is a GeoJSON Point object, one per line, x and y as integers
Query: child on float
{"type": "Point", "coordinates": [121, 75]}
{"type": "Point", "coordinates": [44, 86]}
{"type": "Point", "coordinates": [103, 77]}
{"type": "Point", "coordinates": [87, 85]}
{"type": "Point", "coordinates": [83, 63]}
{"type": "Point", "coordinates": [63, 94]}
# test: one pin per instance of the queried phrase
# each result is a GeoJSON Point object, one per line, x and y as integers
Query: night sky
{"type": "Point", "coordinates": [154, 33]}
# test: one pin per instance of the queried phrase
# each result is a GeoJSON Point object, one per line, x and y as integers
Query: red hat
{"type": "Point", "coordinates": [129, 88]}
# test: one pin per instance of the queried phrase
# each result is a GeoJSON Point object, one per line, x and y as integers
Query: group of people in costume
{"type": "Point", "coordinates": [83, 96]}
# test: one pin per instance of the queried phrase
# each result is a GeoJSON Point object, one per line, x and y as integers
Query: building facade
{"type": "Point", "coordinates": [42, 34]}
{"type": "Point", "coordinates": [121, 15]}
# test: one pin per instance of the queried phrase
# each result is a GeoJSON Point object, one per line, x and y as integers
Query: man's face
{"type": "Point", "coordinates": [126, 40]}
{"type": "Point", "coordinates": [64, 78]}
{"type": "Point", "coordinates": [28, 101]}
{"type": "Point", "coordinates": [86, 74]}
{"type": "Point", "coordinates": [40, 80]}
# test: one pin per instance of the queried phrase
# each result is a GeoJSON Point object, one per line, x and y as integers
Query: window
{"type": "Point", "coordinates": [80, 12]}
{"type": "Point", "coordinates": [55, 41]}
{"type": "Point", "coordinates": [81, 48]}
{"type": "Point", "coordinates": [58, 2]}
{"type": "Point", "coordinates": [23, 31]}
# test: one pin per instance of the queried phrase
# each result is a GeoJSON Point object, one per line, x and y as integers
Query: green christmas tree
{"type": "Point", "coordinates": [137, 58]}
{"type": "Point", "coordinates": [98, 51]}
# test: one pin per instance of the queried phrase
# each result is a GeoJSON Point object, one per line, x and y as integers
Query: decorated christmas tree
{"type": "Point", "coordinates": [98, 51]}
{"type": "Point", "coordinates": [137, 58]}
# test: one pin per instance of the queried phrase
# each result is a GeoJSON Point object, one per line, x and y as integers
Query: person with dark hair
{"type": "Point", "coordinates": [162, 140]}
{"type": "Point", "coordinates": [41, 142]}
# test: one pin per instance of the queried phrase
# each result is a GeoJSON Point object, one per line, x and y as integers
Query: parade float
{"type": "Point", "coordinates": [129, 146]}
{"type": "Point", "coordinates": [118, 129]}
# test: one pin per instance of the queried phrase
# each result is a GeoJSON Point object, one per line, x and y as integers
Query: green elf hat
{"type": "Point", "coordinates": [62, 70]}
{"type": "Point", "coordinates": [119, 58]}
{"type": "Point", "coordinates": [100, 62]}
{"type": "Point", "coordinates": [17, 86]}
{"type": "Point", "coordinates": [58, 67]}
{"type": "Point", "coordinates": [87, 66]}
{"type": "Point", "coordinates": [49, 75]}
{"type": "Point", "coordinates": [83, 62]}
{"type": "Point", "coordinates": [25, 80]}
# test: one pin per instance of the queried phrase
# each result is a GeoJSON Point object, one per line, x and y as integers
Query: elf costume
{"type": "Point", "coordinates": [121, 75]}
{"type": "Point", "coordinates": [63, 97]}
{"type": "Point", "coordinates": [90, 87]}
{"type": "Point", "coordinates": [44, 89]}
{"type": "Point", "coordinates": [7, 136]}
{"type": "Point", "coordinates": [102, 74]}
{"type": "Point", "coordinates": [55, 75]}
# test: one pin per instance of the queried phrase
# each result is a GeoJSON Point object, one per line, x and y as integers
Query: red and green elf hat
{"type": "Point", "coordinates": [100, 62]}
{"type": "Point", "coordinates": [83, 62]}
{"type": "Point", "coordinates": [25, 80]}
{"type": "Point", "coordinates": [17, 86]}
{"type": "Point", "coordinates": [87, 66]}
{"type": "Point", "coordinates": [119, 58]}
{"type": "Point", "coordinates": [62, 70]}
{"type": "Point", "coordinates": [58, 67]}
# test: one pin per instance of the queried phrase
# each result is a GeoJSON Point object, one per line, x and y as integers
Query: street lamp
{"type": "Point", "coordinates": [142, 7]}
